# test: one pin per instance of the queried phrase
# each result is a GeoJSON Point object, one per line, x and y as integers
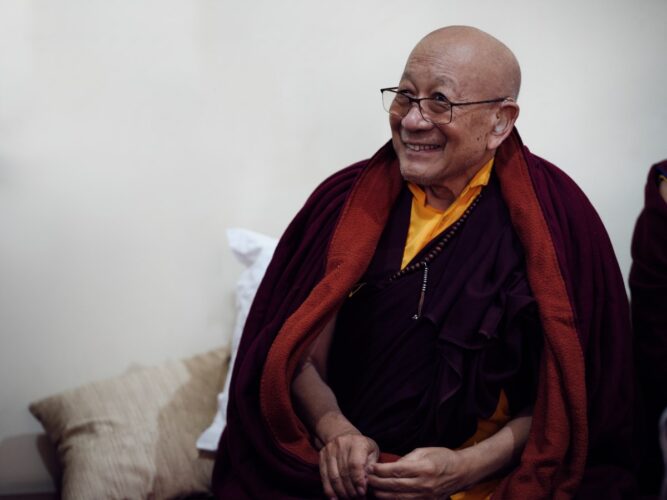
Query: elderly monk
{"type": "Point", "coordinates": [444, 319]}
{"type": "Point", "coordinates": [648, 288]}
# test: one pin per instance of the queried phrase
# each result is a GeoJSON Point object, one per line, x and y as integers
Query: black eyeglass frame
{"type": "Point", "coordinates": [418, 100]}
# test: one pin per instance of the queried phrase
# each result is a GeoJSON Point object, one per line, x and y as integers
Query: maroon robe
{"type": "Point", "coordinates": [648, 287]}
{"type": "Point", "coordinates": [409, 382]}
{"type": "Point", "coordinates": [581, 439]}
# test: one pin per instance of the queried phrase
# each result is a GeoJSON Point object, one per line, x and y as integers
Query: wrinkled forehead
{"type": "Point", "coordinates": [443, 68]}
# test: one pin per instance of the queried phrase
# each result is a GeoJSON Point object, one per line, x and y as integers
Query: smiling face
{"type": "Point", "coordinates": [450, 63]}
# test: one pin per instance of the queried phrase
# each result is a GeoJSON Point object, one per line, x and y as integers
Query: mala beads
{"type": "Point", "coordinates": [437, 249]}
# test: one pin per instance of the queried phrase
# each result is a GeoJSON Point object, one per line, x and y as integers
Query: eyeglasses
{"type": "Point", "coordinates": [436, 110]}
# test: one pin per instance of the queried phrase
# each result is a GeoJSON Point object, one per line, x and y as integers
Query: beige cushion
{"type": "Point", "coordinates": [134, 436]}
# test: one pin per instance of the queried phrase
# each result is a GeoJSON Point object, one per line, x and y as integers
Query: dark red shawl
{"type": "Point", "coordinates": [648, 287]}
{"type": "Point", "coordinates": [580, 442]}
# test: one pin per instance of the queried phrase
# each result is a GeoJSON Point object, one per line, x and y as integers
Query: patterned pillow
{"type": "Point", "coordinates": [134, 436]}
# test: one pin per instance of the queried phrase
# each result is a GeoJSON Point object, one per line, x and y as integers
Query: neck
{"type": "Point", "coordinates": [441, 195]}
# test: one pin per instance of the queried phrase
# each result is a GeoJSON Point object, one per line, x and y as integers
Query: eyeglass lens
{"type": "Point", "coordinates": [432, 110]}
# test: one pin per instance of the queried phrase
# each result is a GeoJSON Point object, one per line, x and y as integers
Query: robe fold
{"type": "Point", "coordinates": [581, 439]}
{"type": "Point", "coordinates": [648, 288]}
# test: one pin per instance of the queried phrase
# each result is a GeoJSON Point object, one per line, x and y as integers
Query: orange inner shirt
{"type": "Point", "coordinates": [425, 224]}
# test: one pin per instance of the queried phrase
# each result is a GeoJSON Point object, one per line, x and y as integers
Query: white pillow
{"type": "Point", "coordinates": [254, 250]}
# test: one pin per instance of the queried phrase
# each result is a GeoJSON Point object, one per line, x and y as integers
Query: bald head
{"type": "Point", "coordinates": [443, 147]}
{"type": "Point", "coordinates": [480, 65]}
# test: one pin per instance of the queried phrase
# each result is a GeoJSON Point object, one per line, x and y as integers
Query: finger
{"type": "Point", "coordinates": [384, 494]}
{"type": "Point", "coordinates": [356, 465]}
{"type": "Point", "coordinates": [396, 485]}
{"type": "Point", "coordinates": [334, 477]}
{"type": "Point", "coordinates": [373, 456]}
{"type": "Point", "coordinates": [344, 470]}
{"type": "Point", "coordinates": [416, 454]}
{"type": "Point", "coordinates": [324, 474]}
{"type": "Point", "coordinates": [395, 496]}
{"type": "Point", "coordinates": [402, 468]}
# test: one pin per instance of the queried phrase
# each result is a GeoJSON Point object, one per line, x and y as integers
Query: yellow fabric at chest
{"type": "Point", "coordinates": [426, 222]}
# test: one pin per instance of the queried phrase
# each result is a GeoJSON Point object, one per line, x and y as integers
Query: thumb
{"type": "Point", "coordinates": [374, 453]}
{"type": "Point", "coordinates": [414, 455]}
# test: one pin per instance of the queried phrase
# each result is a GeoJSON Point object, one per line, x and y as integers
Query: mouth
{"type": "Point", "coordinates": [412, 146]}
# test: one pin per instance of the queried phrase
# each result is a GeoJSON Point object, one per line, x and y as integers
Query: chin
{"type": "Point", "coordinates": [417, 175]}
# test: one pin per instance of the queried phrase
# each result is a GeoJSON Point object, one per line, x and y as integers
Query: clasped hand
{"type": "Point", "coordinates": [422, 473]}
{"type": "Point", "coordinates": [348, 466]}
{"type": "Point", "coordinates": [344, 461]}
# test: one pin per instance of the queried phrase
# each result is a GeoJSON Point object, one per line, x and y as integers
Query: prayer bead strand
{"type": "Point", "coordinates": [422, 295]}
{"type": "Point", "coordinates": [437, 249]}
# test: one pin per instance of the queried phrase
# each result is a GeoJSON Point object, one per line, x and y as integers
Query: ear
{"type": "Point", "coordinates": [503, 123]}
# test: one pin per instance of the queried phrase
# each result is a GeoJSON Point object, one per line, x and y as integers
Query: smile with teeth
{"type": "Point", "coordinates": [422, 147]}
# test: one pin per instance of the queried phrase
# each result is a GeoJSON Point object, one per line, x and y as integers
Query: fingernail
{"type": "Point", "coordinates": [361, 491]}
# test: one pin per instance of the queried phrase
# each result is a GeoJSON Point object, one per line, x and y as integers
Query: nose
{"type": "Point", "coordinates": [414, 120]}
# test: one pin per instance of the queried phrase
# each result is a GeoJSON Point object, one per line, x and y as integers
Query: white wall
{"type": "Point", "coordinates": [132, 133]}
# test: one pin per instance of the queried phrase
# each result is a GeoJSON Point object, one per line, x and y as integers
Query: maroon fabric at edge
{"type": "Point", "coordinates": [648, 287]}
{"type": "Point", "coordinates": [597, 293]}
